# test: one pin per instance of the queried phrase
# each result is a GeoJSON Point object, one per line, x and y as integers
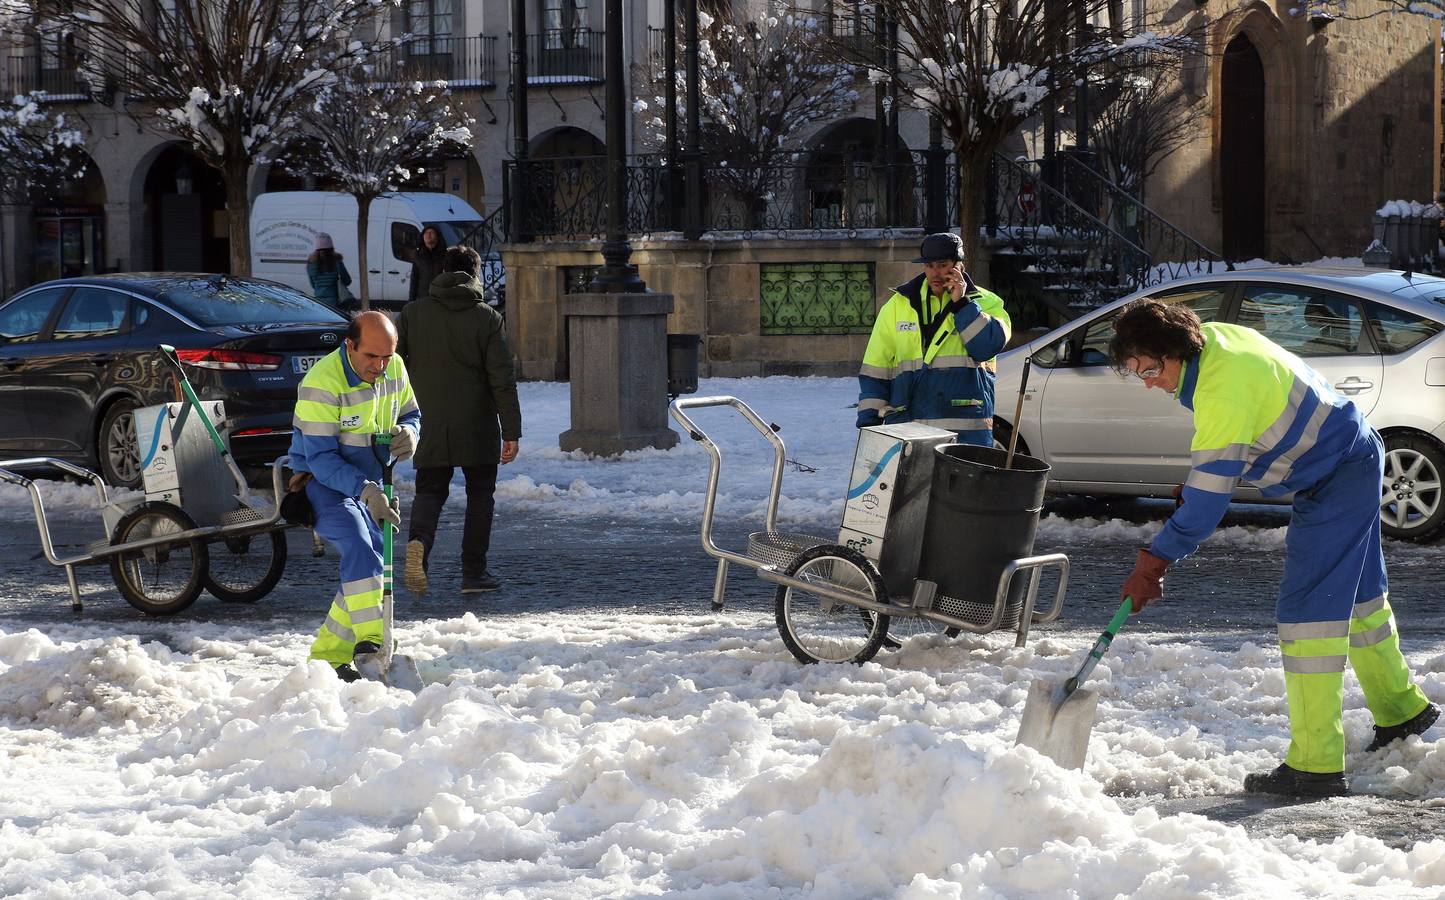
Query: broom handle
{"type": "Point", "coordinates": [1101, 646]}
{"type": "Point", "coordinates": [1013, 438]}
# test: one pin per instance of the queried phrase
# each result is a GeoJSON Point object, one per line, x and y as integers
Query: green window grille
{"type": "Point", "coordinates": [817, 298]}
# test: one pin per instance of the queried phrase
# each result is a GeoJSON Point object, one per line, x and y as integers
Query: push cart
{"type": "Point", "coordinates": [198, 527]}
{"type": "Point", "coordinates": [833, 603]}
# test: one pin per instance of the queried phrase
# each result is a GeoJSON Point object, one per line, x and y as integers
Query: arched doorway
{"type": "Point", "coordinates": [68, 218]}
{"type": "Point", "coordinates": [850, 183]}
{"type": "Point", "coordinates": [565, 184]}
{"type": "Point", "coordinates": [186, 212]}
{"type": "Point", "coordinates": [1241, 151]}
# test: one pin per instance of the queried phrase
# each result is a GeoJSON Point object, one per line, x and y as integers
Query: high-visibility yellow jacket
{"type": "Point", "coordinates": [1261, 415]}
{"type": "Point", "coordinates": [336, 415]}
{"type": "Point", "coordinates": [930, 361]}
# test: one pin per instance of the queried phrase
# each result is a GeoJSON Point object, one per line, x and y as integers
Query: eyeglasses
{"type": "Point", "coordinates": [1146, 374]}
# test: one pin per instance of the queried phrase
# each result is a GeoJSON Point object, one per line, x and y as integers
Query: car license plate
{"type": "Point", "coordinates": [302, 364]}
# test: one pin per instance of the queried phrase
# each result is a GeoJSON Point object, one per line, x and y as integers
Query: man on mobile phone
{"type": "Point", "coordinates": [930, 357]}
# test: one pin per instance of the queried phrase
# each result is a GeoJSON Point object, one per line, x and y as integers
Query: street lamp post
{"type": "Point", "coordinates": [617, 275]}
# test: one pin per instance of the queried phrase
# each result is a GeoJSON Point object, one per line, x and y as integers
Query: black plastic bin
{"type": "Point", "coordinates": [682, 353]}
{"type": "Point", "coordinates": [981, 517]}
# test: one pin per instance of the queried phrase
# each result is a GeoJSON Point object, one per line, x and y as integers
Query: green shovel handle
{"type": "Point", "coordinates": [1101, 646]}
{"type": "Point", "coordinates": [169, 353]}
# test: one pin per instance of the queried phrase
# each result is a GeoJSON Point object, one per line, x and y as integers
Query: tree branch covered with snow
{"type": "Point", "coordinates": [366, 129]}
{"type": "Point", "coordinates": [227, 77]}
{"type": "Point", "coordinates": [1151, 117]}
{"type": "Point", "coordinates": [763, 81]}
{"type": "Point", "coordinates": [985, 67]}
{"type": "Point", "coordinates": [35, 145]}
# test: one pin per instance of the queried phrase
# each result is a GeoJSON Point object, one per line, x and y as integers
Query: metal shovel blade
{"type": "Point", "coordinates": [1057, 723]}
{"type": "Point", "coordinates": [401, 673]}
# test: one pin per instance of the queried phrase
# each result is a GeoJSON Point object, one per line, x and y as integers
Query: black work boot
{"type": "Point", "coordinates": [1290, 782]}
{"type": "Point", "coordinates": [1418, 725]}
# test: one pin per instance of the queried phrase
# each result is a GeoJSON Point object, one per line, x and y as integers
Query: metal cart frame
{"type": "Point", "coordinates": [102, 550]}
{"type": "Point", "coordinates": [771, 553]}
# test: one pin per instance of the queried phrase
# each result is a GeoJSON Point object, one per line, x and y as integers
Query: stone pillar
{"type": "Point", "coordinates": [17, 249]}
{"type": "Point", "coordinates": [618, 360]}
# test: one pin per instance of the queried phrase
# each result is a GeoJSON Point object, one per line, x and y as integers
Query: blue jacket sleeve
{"type": "Point", "coordinates": [983, 335]}
{"type": "Point", "coordinates": [1190, 525]}
{"type": "Point", "coordinates": [323, 460]}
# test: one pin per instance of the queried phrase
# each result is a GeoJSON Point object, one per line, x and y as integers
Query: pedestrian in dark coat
{"type": "Point", "coordinates": [460, 366]}
{"type": "Point", "coordinates": [328, 274]}
{"type": "Point", "coordinates": [426, 263]}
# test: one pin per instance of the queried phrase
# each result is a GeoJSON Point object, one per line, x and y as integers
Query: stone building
{"type": "Point", "coordinates": [1309, 125]}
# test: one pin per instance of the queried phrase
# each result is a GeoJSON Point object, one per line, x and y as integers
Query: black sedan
{"type": "Point", "coordinates": [79, 355]}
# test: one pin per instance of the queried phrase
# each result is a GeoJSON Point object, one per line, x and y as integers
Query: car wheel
{"type": "Point", "coordinates": [1411, 506]}
{"type": "Point", "coordinates": [119, 448]}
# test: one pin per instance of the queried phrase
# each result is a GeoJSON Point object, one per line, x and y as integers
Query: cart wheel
{"type": "Point", "coordinates": [817, 629]}
{"type": "Point", "coordinates": [164, 579]}
{"type": "Point", "coordinates": [901, 628]}
{"type": "Point", "coordinates": [244, 569]}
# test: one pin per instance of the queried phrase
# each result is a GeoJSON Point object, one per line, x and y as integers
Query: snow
{"type": "Point", "coordinates": [1409, 209]}
{"type": "Point", "coordinates": [223, 764]}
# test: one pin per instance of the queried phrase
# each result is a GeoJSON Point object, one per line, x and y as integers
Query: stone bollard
{"type": "Point", "coordinates": [617, 357]}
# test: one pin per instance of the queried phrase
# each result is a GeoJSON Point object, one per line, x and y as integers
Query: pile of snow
{"type": "Point", "coordinates": [1410, 209]}
{"type": "Point", "coordinates": [717, 767]}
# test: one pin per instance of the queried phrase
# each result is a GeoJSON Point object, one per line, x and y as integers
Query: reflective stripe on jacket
{"type": "Point", "coordinates": [336, 415]}
{"type": "Point", "coordinates": [1260, 415]}
{"type": "Point", "coordinates": [946, 384]}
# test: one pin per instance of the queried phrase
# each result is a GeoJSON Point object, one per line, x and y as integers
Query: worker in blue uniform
{"type": "Point", "coordinates": [1262, 416]}
{"type": "Point", "coordinates": [349, 396]}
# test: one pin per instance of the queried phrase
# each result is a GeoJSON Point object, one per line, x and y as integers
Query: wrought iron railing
{"type": "Point", "coordinates": [802, 195]}
{"type": "Point", "coordinates": [816, 298]}
{"type": "Point", "coordinates": [565, 55]}
{"type": "Point", "coordinates": [59, 78]}
{"type": "Point", "coordinates": [1079, 261]}
{"type": "Point", "coordinates": [486, 237]}
{"type": "Point", "coordinates": [1173, 253]}
{"type": "Point", "coordinates": [459, 61]}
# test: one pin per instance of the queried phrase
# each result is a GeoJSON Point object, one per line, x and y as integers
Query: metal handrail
{"type": "Point", "coordinates": [1120, 197]}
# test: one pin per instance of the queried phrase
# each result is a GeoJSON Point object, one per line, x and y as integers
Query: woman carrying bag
{"type": "Point", "coordinates": [329, 278]}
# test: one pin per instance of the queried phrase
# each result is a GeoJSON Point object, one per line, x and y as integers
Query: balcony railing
{"type": "Point", "coordinates": [459, 61]}
{"type": "Point", "coordinates": [657, 53]}
{"type": "Point", "coordinates": [565, 198]}
{"type": "Point", "coordinates": [60, 79]}
{"type": "Point", "coordinates": [565, 56]}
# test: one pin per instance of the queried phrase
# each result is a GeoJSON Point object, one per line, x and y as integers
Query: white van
{"type": "Point", "coordinates": [284, 226]}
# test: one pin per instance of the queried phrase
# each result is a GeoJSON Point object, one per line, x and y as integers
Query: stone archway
{"type": "Point", "coordinates": [185, 202]}
{"type": "Point", "coordinates": [68, 225]}
{"type": "Point", "coordinates": [849, 180]}
{"type": "Point", "coordinates": [1242, 172]}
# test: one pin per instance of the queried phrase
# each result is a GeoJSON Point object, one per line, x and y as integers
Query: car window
{"type": "Point", "coordinates": [1302, 320]}
{"type": "Point", "coordinates": [1207, 301]}
{"type": "Point", "coordinates": [92, 312]}
{"type": "Point", "coordinates": [1398, 330]}
{"type": "Point", "coordinates": [458, 233]}
{"type": "Point", "coordinates": [218, 300]}
{"type": "Point", "coordinates": [22, 319]}
{"type": "Point", "coordinates": [404, 240]}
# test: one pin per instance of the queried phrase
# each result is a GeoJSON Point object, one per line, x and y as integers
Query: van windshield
{"type": "Point", "coordinates": [458, 232]}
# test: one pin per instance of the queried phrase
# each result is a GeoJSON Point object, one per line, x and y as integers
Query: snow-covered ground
{"type": "Point", "coordinates": [636, 753]}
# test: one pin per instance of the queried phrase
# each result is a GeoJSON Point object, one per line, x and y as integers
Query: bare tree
{"type": "Point", "coordinates": [984, 68]}
{"type": "Point", "coordinates": [763, 81]}
{"type": "Point", "coordinates": [365, 132]}
{"type": "Point", "coordinates": [227, 77]}
{"type": "Point", "coordinates": [36, 147]}
{"type": "Point", "coordinates": [1150, 119]}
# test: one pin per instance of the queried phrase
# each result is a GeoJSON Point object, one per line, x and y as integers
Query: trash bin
{"type": "Point", "coordinates": [682, 352]}
{"type": "Point", "coordinates": [981, 517]}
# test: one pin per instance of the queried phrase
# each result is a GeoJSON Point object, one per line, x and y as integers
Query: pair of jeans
{"type": "Point", "coordinates": [432, 486]}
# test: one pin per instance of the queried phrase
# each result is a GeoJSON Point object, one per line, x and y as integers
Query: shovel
{"type": "Point", "coordinates": [1057, 719]}
{"type": "Point", "coordinates": [243, 490]}
{"type": "Point", "coordinates": [388, 667]}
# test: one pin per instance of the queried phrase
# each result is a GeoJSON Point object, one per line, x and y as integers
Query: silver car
{"type": "Point", "coordinates": [1376, 335]}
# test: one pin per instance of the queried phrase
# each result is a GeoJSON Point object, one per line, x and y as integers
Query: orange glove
{"type": "Point", "coordinates": [1178, 495]}
{"type": "Point", "coordinates": [1146, 583]}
